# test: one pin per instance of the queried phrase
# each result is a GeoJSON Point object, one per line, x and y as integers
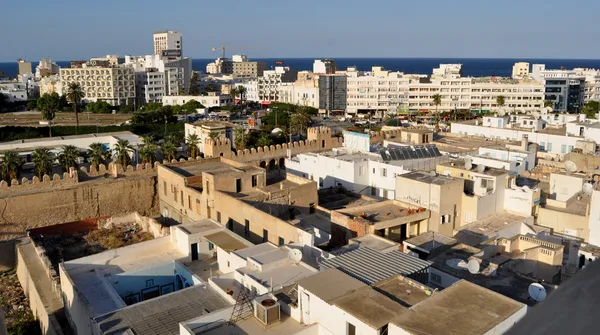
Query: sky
{"type": "Point", "coordinates": [69, 29]}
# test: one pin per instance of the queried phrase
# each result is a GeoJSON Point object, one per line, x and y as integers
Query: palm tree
{"type": "Point", "coordinates": [122, 152]}
{"type": "Point", "coordinates": [241, 91]}
{"type": "Point", "coordinates": [10, 166]}
{"type": "Point", "coordinates": [148, 154]}
{"type": "Point", "coordinates": [67, 158]}
{"type": "Point", "coordinates": [548, 103]}
{"type": "Point", "coordinates": [99, 154]}
{"type": "Point", "coordinates": [437, 100]}
{"type": "Point", "coordinates": [233, 92]}
{"type": "Point", "coordinates": [169, 150]}
{"type": "Point", "coordinates": [192, 143]}
{"type": "Point", "coordinates": [300, 120]}
{"type": "Point", "coordinates": [74, 95]}
{"type": "Point", "coordinates": [213, 135]}
{"type": "Point", "coordinates": [44, 160]}
{"type": "Point", "coordinates": [241, 140]}
{"type": "Point", "coordinates": [500, 100]}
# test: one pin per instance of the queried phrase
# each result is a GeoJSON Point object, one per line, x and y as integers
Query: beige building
{"type": "Point", "coordinates": [520, 70]}
{"type": "Point", "coordinates": [223, 131]}
{"type": "Point", "coordinates": [439, 194]}
{"type": "Point", "coordinates": [303, 92]}
{"type": "Point", "coordinates": [50, 84]}
{"type": "Point", "coordinates": [239, 66]}
{"type": "Point", "coordinates": [115, 85]}
{"type": "Point", "coordinates": [238, 197]}
{"type": "Point", "coordinates": [166, 42]}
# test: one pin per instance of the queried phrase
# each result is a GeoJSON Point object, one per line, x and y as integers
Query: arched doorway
{"type": "Point", "coordinates": [271, 164]}
{"type": "Point", "coordinates": [282, 163]}
{"type": "Point", "coordinates": [263, 164]}
{"type": "Point", "coordinates": [178, 282]}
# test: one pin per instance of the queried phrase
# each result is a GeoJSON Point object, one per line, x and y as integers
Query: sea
{"type": "Point", "coordinates": [472, 67]}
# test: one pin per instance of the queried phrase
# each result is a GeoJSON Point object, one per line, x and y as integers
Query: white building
{"type": "Point", "coordinates": [592, 83]}
{"type": "Point", "coordinates": [14, 90]}
{"type": "Point", "coordinates": [157, 77]}
{"type": "Point", "coordinates": [114, 85]}
{"type": "Point", "coordinates": [251, 89]}
{"type": "Point", "coordinates": [449, 71]}
{"type": "Point", "coordinates": [520, 70]}
{"type": "Point", "coordinates": [168, 44]}
{"type": "Point", "coordinates": [360, 172]}
{"type": "Point", "coordinates": [376, 91]}
{"type": "Point", "coordinates": [45, 68]}
{"type": "Point", "coordinates": [565, 88]}
{"type": "Point", "coordinates": [324, 66]}
{"type": "Point", "coordinates": [270, 81]}
{"type": "Point", "coordinates": [303, 92]}
{"type": "Point", "coordinates": [212, 99]}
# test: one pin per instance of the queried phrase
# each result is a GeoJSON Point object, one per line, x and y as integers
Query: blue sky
{"type": "Point", "coordinates": [69, 29]}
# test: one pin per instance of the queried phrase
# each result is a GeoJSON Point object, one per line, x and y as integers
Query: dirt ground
{"type": "Point", "coordinates": [19, 319]}
{"type": "Point", "coordinates": [62, 119]}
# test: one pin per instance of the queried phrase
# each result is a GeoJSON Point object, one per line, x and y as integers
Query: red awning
{"type": "Point", "coordinates": [265, 102]}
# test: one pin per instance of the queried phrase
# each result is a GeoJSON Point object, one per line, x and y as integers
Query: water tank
{"type": "Point", "coordinates": [267, 309]}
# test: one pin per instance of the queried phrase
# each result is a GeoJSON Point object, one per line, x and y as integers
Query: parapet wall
{"type": "Point", "coordinates": [379, 136]}
{"type": "Point", "coordinates": [68, 178]}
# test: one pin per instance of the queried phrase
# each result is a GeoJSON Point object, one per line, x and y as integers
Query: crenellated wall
{"type": "Point", "coordinates": [68, 178]}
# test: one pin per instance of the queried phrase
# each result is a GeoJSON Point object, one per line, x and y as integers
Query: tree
{"type": "Point", "coordinates": [213, 135]}
{"type": "Point", "coordinates": [44, 160]}
{"type": "Point", "coordinates": [591, 109]}
{"type": "Point", "coordinates": [99, 107]}
{"type": "Point", "coordinates": [48, 115]}
{"type": "Point", "coordinates": [300, 121]}
{"type": "Point", "coordinates": [99, 154]}
{"type": "Point", "coordinates": [241, 91]}
{"type": "Point", "coordinates": [130, 108]}
{"type": "Point", "coordinates": [437, 100]}
{"type": "Point", "coordinates": [500, 100]}
{"type": "Point", "coordinates": [264, 140]}
{"type": "Point", "coordinates": [74, 95]}
{"type": "Point", "coordinates": [169, 150]}
{"type": "Point", "coordinates": [67, 158]}
{"type": "Point", "coordinates": [241, 139]}
{"type": "Point", "coordinates": [31, 104]}
{"type": "Point", "coordinates": [10, 166]}
{"type": "Point", "coordinates": [192, 142]}
{"type": "Point", "coordinates": [276, 117]}
{"type": "Point", "coordinates": [122, 152]}
{"type": "Point", "coordinates": [548, 103]}
{"type": "Point", "coordinates": [194, 88]}
{"type": "Point", "coordinates": [148, 150]}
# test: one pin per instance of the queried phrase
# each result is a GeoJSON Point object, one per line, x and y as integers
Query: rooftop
{"type": "Point", "coordinates": [460, 164]}
{"type": "Point", "coordinates": [369, 306]}
{"type": "Point", "coordinates": [330, 284]}
{"type": "Point", "coordinates": [198, 226]}
{"type": "Point", "coordinates": [450, 143]}
{"type": "Point", "coordinates": [210, 166]}
{"type": "Point", "coordinates": [377, 212]}
{"type": "Point", "coordinates": [213, 124]}
{"type": "Point", "coordinates": [578, 206]}
{"type": "Point", "coordinates": [404, 291]}
{"type": "Point", "coordinates": [375, 242]}
{"type": "Point", "coordinates": [227, 241]}
{"type": "Point", "coordinates": [338, 198]}
{"type": "Point", "coordinates": [249, 326]}
{"type": "Point", "coordinates": [430, 241]}
{"type": "Point", "coordinates": [162, 315]}
{"type": "Point", "coordinates": [371, 266]}
{"type": "Point", "coordinates": [479, 231]}
{"type": "Point", "coordinates": [426, 177]}
{"type": "Point", "coordinates": [467, 309]}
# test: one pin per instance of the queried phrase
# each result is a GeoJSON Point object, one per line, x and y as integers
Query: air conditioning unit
{"type": "Point", "coordinates": [267, 309]}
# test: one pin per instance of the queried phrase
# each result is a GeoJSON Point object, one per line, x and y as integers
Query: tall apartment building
{"type": "Point", "coordinates": [520, 70]}
{"type": "Point", "coordinates": [565, 88]}
{"type": "Point", "coordinates": [115, 85]}
{"type": "Point", "coordinates": [447, 71]}
{"type": "Point", "coordinates": [381, 92]}
{"type": "Point", "coordinates": [46, 67]}
{"type": "Point", "coordinates": [592, 83]}
{"type": "Point", "coordinates": [332, 93]}
{"type": "Point", "coordinates": [303, 92]}
{"type": "Point", "coordinates": [168, 44]}
{"type": "Point", "coordinates": [324, 66]}
{"type": "Point", "coordinates": [157, 77]}
{"type": "Point", "coordinates": [24, 67]}
{"type": "Point", "coordinates": [239, 66]}
{"type": "Point", "coordinates": [270, 81]}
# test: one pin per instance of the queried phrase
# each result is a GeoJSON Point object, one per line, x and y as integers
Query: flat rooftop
{"type": "Point", "coordinates": [350, 155]}
{"type": "Point", "coordinates": [312, 220]}
{"type": "Point", "coordinates": [460, 164]}
{"type": "Point", "coordinates": [378, 212]}
{"type": "Point", "coordinates": [162, 315]}
{"type": "Point", "coordinates": [330, 284]}
{"type": "Point", "coordinates": [369, 306]}
{"type": "Point", "coordinates": [459, 144]}
{"type": "Point", "coordinates": [466, 308]}
{"type": "Point", "coordinates": [213, 123]}
{"type": "Point", "coordinates": [249, 326]}
{"type": "Point", "coordinates": [578, 206]}
{"type": "Point", "coordinates": [497, 279]}
{"type": "Point", "coordinates": [404, 291]}
{"type": "Point", "coordinates": [430, 241]}
{"type": "Point", "coordinates": [429, 178]}
{"type": "Point", "coordinates": [491, 224]}
{"type": "Point", "coordinates": [198, 227]}
{"type": "Point", "coordinates": [214, 167]}
{"type": "Point", "coordinates": [374, 242]}
{"type": "Point", "coordinates": [338, 198]}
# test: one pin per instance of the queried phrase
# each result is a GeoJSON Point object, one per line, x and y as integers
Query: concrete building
{"type": "Point", "coordinates": [270, 81]}
{"type": "Point", "coordinates": [203, 129]}
{"type": "Point", "coordinates": [303, 92]}
{"type": "Point", "coordinates": [24, 67]}
{"type": "Point", "coordinates": [565, 88]}
{"type": "Point", "coordinates": [252, 92]}
{"type": "Point", "coordinates": [520, 70]}
{"type": "Point", "coordinates": [46, 67]}
{"type": "Point", "coordinates": [168, 44]}
{"type": "Point", "coordinates": [439, 194]}
{"type": "Point", "coordinates": [332, 93]}
{"type": "Point", "coordinates": [592, 83]}
{"type": "Point", "coordinates": [14, 91]}
{"type": "Point", "coordinates": [449, 71]}
{"type": "Point", "coordinates": [212, 99]}
{"type": "Point", "coordinates": [239, 66]}
{"type": "Point", "coordinates": [157, 76]}
{"type": "Point", "coordinates": [50, 84]}
{"type": "Point", "coordinates": [324, 66]}
{"type": "Point", "coordinates": [379, 91]}
{"type": "Point", "coordinates": [114, 85]}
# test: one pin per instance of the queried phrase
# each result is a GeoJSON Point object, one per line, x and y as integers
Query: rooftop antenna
{"type": "Point", "coordinates": [473, 266]}
{"type": "Point", "coordinates": [295, 256]}
{"type": "Point", "coordinates": [537, 292]}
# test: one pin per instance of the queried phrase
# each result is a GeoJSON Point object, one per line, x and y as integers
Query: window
{"type": "Point", "coordinates": [350, 329]}
{"type": "Point", "coordinates": [445, 219]}
{"type": "Point", "coordinates": [384, 172]}
{"type": "Point", "coordinates": [361, 170]}
{"type": "Point", "coordinates": [436, 279]}
{"type": "Point", "coordinates": [207, 187]}
{"type": "Point", "coordinates": [311, 208]}
{"type": "Point", "coordinates": [230, 224]}
{"type": "Point", "coordinates": [238, 185]}
{"type": "Point", "coordinates": [189, 201]}
{"type": "Point", "coordinates": [254, 180]}
{"type": "Point", "coordinates": [373, 191]}
{"type": "Point", "coordinates": [198, 206]}
{"type": "Point", "coordinates": [563, 149]}
{"type": "Point", "coordinates": [265, 235]}
{"type": "Point", "coordinates": [320, 182]}
{"type": "Point", "coordinates": [181, 192]}
{"type": "Point", "coordinates": [281, 241]}
{"type": "Point", "coordinates": [175, 195]}
{"type": "Point", "coordinates": [211, 246]}
{"type": "Point", "coordinates": [165, 187]}
{"type": "Point", "coordinates": [218, 216]}
{"type": "Point", "coordinates": [246, 227]}
{"type": "Point", "coordinates": [373, 170]}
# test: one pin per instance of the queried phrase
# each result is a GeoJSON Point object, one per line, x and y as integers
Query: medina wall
{"type": "Point", "coordinates": [100, 197]}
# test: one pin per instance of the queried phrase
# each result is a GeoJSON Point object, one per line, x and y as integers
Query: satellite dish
{"type": "Point", "coordinates": [276, 131]}
{"type": "Point", "coordinates": [433, 174]}
{"type": "Point", "coordinates": [570, 166]}
{"type": "Point", "coordinates": [480, 254]}
{"type": "Point", "coordinates": [537, 292]}
{"type": "Point", "coordinates": [295, 256]}
{"type": "Point", "coordinates": [588, 188]}
{"type": "Point", "coordinates": [481, 168]}
{"type": "Point", "coordinates": [473, 266]}
{"type": "Point", "coordinates": [468, 164]}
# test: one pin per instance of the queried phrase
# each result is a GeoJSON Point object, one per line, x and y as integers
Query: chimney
{"type": "Point", "coordinates": [524, 142]}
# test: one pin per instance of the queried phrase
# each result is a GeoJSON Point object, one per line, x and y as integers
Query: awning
{"type": "Point", "coordinates": [225, 241]}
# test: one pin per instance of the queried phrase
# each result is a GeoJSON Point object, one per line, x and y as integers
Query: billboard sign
{"type": "Point", "coordinates": [278, 62]}
{"type": "Point", "coordinates": [171, 53]}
